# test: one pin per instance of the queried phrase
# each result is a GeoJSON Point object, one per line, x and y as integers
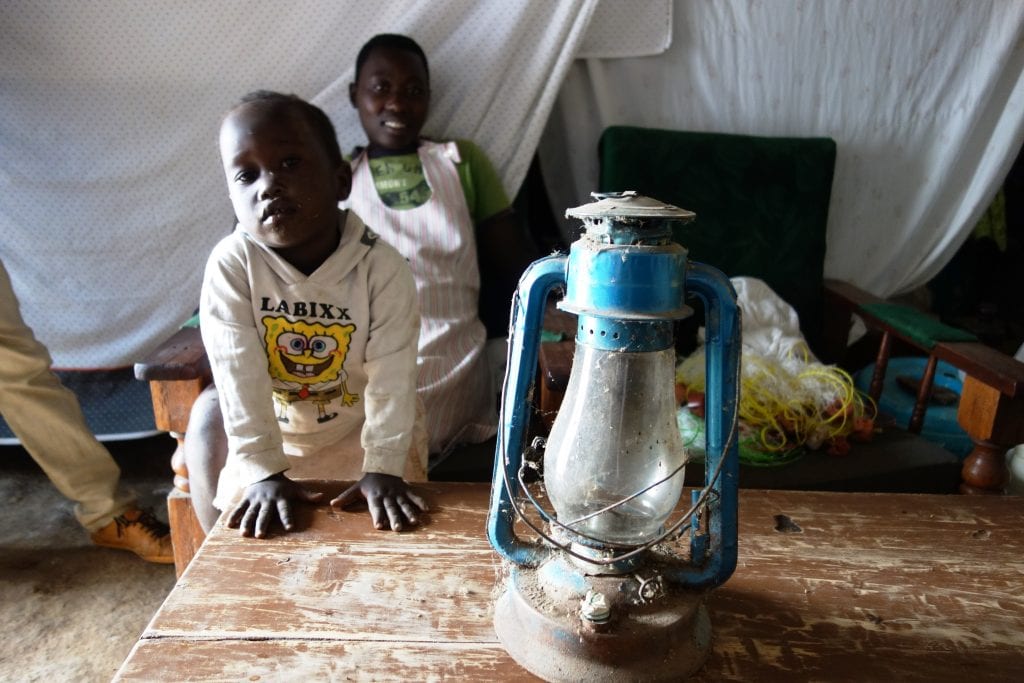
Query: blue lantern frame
{"type": "Point", "coordinates": [626, 296]}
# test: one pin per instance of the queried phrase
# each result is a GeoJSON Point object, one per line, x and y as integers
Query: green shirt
{"type": "Point", "coordinates": [401, 186]}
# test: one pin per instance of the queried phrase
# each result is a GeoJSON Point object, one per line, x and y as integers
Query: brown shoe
{"type": "Point", "coordinates": [140, 532]}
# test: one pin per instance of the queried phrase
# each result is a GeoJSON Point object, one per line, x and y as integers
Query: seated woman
{"type": "Point", "coordinates": [443, 207]}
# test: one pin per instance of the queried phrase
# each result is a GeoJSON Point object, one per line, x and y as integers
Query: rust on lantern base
{"type": "Point", "coordinates": [563, 626]}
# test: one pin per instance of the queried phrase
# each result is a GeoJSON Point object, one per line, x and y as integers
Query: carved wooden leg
{"type": "Point", "coordinates": [178, 463]}
{"type": "Point", "coordinates": [924, 394]}
{"type": "Point", "coordinates": [995, 422]}
{"type": "Point", "coordinates": [172, 403]}
{"type": "Point", "coordinates": [881, 363]}
{"type": "Point", "coordinates": [186, 532]}
{"type": "Point", "coordinates": [985, 469]}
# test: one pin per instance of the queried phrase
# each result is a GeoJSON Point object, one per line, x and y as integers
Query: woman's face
{"type": "Point", "coordinates": [392, 96]}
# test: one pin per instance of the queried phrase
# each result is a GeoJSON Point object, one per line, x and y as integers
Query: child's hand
{"type": "Point", "coordinates": [263, 501]}
{"type": "Point", "coordinates": [385, 495]}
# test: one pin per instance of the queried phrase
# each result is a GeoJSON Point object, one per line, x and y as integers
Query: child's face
{"type": "Point", "coordinates": [392, 95]}
{"type": "Point", "coordinates": [282, 183]}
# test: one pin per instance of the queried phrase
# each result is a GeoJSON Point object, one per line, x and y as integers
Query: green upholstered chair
{"type": "Point", "coordinates": [761, 203]}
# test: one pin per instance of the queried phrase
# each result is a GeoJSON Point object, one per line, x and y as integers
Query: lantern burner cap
{"type": "Point", "coordinates": [628, 205]}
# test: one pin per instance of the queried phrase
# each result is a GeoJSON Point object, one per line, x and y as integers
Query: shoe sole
{"type": "Point", "coordinates": [155, 559]}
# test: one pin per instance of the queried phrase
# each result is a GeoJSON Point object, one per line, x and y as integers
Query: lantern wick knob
{"type": "Point", "coordinates": [594, 607]}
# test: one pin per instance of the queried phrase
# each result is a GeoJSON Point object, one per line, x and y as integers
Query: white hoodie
{"type": "Point", "coordinates": [322, 351]}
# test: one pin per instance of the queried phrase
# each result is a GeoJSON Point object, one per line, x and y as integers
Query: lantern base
{"type": "Point", "coordinates": [651, 632]}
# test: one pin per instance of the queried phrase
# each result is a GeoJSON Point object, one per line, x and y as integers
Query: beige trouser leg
{"type": "Point", "coordinates": [48, 420]}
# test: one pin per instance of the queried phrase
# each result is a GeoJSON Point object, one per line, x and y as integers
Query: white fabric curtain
{"type": "Point", "coordinates": [924, 98]}
{"type": "Point", "coordinates": [111, 189]}
{"type": "Point", "coordinates": [112, 194]}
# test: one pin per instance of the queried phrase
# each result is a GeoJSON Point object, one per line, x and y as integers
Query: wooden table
{"type": "Point", "coordinates": [829, 587]}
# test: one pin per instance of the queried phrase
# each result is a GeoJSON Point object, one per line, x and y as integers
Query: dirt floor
{"type": "Point", "coordinates": [71, 611]}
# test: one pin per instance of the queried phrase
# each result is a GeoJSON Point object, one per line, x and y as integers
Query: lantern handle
{"type": "Point", "coordinates": [723, 338]}
{"type": "Point", "coordinates": [528, 302]}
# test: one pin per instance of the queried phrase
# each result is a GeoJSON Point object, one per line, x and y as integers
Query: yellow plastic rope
{"type": "Point", "coordinates": [791, 402]}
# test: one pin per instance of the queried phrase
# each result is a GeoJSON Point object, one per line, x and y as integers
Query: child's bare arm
{"type": "Point", "coordinates": [390, 500]}
{"type": "Point", "coordinates": [267, 500]}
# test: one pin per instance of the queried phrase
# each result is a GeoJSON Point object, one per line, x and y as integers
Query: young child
{"type": "Point", "coordinates": [310, 323]}
{"type": "Point", "coordinates": [442, 205]}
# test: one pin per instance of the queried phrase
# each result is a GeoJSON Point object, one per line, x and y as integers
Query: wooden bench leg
{"type": "Point", "coordinates": [985, 469]}
{"type": "Point", "coordinates": [995, 422]}
{"type": "Point", "coordinates": [881, 363]}
{"type": "Point", "coordinates": [186, 532]}
{"type": "Point", "coordinates": [172, 403]}
{"type": "Point", "coordinates": [924, 395]}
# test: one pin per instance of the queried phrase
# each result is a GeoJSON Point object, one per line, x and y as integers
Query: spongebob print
{"type": "Point", "coordinates": [303, 355]}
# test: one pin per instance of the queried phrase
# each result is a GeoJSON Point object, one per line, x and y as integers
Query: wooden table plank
{"type": "Point", "coordinates": [339, 575]}
{"type": "Point", "coordinates": [829, 587]}
{"type": "Point", "coordinates": [873, 587]}
{"type": "Point", "coordinates": [287, 660]}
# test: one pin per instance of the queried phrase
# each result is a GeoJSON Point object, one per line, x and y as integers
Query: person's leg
{"type": "Point", "coordinates": [48, 420]}
{"type": "Point", "coordinates": [206, 452]}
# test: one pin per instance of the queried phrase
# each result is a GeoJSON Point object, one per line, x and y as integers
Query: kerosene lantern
{"type": "Point", "coordinates": [607, 572]}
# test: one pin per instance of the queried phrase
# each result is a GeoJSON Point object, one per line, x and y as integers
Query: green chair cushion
{"type": "Point", "coordinates": [761, 202]}
{"type": "Point", "coordinates": [919, 326]}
